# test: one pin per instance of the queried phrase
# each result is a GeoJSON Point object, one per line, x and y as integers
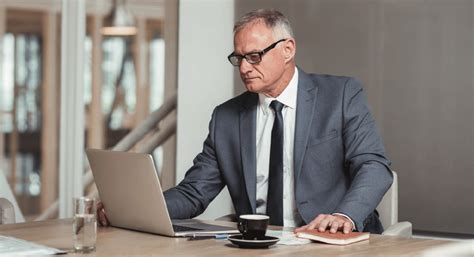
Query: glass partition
{"type": "Point", "coordinates": [124, 81]}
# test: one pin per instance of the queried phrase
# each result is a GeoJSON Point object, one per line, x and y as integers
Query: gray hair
{"type": "Point", "coordinates": [273, 19]}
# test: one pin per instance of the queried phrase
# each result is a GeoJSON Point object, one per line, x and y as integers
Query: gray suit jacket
{"type": "Point", "coordinates": [339, 159]}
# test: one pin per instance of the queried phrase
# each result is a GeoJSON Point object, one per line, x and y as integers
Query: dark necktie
{"type": "Point", "coordinates": [275, 174]}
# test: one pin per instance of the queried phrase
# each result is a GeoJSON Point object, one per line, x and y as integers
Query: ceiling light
{"type": "Point", "coordinates": [119, 22]}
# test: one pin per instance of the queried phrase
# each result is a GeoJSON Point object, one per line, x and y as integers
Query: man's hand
{"type": "Point", "coordinates": [101, 216]}
{"type": "Point", "coordinates": [333, 223]}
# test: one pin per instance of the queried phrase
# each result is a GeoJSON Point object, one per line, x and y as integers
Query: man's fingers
{"type": "Point", "coordinates": [347, 227]}
{"type": "Point", "coordinates": [325, 223]}
{"type": "Point", "coordinates": [319, 219]}
{"type": "Point", "coordinates": [101, 216]}
{"type": "Point", "coordinates": [312, 225]}
{"type": "Point", "coordinates": [105, 220]}
{"type": "Point", "coordinates": [315, 223]}
{"type": "Point", "coordinates": [335, 226]}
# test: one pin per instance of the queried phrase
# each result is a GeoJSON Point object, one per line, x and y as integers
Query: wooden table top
{"type": "Point", "coordinates": [120, 242]}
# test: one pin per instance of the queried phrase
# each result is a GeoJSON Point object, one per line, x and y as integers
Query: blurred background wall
{"type": "Point", "coordinates": [205, 81]}
{"type": "Point", "coordinates": [416, 61]}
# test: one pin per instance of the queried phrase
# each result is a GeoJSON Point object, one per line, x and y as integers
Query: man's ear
{"type": "Point", "coordinates": [289, 49]}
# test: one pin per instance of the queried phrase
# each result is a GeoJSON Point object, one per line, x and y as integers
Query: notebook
{"type": "Point", "coordinates": [129, 187]}
{"type": "Point", "coordinates": [338, 238]}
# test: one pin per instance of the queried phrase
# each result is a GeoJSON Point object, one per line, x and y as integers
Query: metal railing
{"type": "Point", "coordinates": [149, 126]}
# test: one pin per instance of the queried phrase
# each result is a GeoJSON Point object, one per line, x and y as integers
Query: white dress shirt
{"type": "Point", "coordinates": [265, 118]}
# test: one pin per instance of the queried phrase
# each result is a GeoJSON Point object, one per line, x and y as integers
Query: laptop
{"type": "Point", "coordinates": [129, 187]}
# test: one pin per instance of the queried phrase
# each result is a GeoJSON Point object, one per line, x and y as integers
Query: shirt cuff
{"type": "Point", "coordinates": [347, 217]}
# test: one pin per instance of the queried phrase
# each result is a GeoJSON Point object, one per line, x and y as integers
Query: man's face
{"type": "Point", "coordinates": [264, 77]}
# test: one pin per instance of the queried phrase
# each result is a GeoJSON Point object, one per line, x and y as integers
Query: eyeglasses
{"type": "Point", "coordinates": [253, 57]}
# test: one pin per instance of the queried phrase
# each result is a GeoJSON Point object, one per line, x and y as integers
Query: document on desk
{"type": "Point", "coordinates": [10, 246]}
{"type": "Point", "coordinates": [287, 237]}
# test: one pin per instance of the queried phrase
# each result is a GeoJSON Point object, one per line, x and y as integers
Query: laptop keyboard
{"type": "Point", "coordinates": [178, 228]}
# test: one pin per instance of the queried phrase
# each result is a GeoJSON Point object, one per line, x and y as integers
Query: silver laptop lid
{"type": "Point", "coordinates": [129, 187]}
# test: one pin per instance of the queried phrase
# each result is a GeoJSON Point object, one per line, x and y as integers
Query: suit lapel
{"type": "Point", "coordinates": [305, 107]}
{"type": "Point", "coordinates": [248, 145]}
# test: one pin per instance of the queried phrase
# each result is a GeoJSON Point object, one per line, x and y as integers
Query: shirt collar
{"type": "Point", "coordinates": [287, 97]}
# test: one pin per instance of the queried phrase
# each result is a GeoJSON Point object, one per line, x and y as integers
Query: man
{"type": "Point", "coordinates": [301, 148]}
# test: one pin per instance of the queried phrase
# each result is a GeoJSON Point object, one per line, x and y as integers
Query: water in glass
{"type": "Point", "coordinates": [84, 228]}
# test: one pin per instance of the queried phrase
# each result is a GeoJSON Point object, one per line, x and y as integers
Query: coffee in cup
{"type": "Point", "coordinates": [253, 226]}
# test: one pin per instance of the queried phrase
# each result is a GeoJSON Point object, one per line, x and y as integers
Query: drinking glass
{"type": "Point", "coordinates": [84, 226]}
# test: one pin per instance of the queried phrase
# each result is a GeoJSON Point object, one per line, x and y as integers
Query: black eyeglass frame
{"type": "Point", "coordinates": [240, 57]}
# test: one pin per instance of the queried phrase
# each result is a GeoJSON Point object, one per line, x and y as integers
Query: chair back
{"type": "Point", "coordinates": [7, 194]}
{"type": "Point", "coordinates": [7, 212]}
{"type": "Point", "coordinates": [388, 207]}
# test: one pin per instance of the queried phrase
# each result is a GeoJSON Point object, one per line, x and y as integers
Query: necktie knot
{"type": "Point", "coordinates": [276, 106]}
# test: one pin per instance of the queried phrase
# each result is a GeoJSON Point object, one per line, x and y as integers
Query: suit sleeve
{"type": "Point", "coordinates": [201, 184]}
{"type": "Point", "coordinates": [365, 158]}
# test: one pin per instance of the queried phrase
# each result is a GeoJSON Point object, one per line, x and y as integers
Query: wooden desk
{"type": "Point", "coordinates": [119, 242]}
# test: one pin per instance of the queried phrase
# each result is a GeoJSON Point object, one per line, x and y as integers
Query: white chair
{"type": "Point", "coordinates": [9, 210]}
{"type": "Point", "coordinates": [388, 211]}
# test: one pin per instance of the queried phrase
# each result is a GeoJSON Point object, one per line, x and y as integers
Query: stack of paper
{"type": "Point", "coordinates": [287, 237]}
{"type": "Point", "coordinates": [10, 246]}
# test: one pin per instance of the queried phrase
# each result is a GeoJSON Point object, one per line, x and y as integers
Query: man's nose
{"type": "Point", "coordinates": [245, 66]}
